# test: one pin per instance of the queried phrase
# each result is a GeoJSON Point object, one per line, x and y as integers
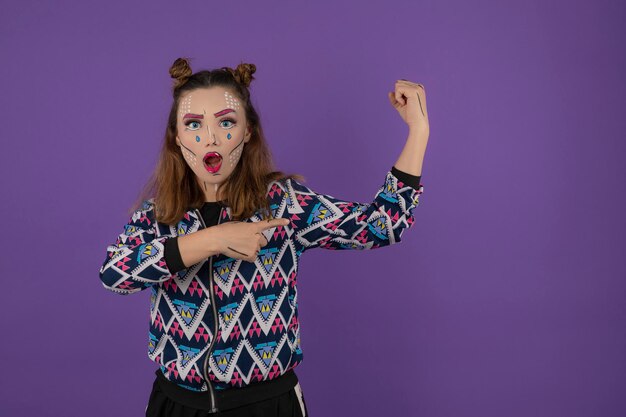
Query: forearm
{"type": "Point", "coordinates": [197, 246]}
{"type": "Point", "coordinates": [412, 156]}
{"type": "Point", "coordinates": [132, 265]}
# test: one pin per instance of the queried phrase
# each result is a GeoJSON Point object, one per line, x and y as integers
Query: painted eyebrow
{"type": "Point", "coordinates": [193, 116]}
{"type": "Point", "coordinates": [223, 112]}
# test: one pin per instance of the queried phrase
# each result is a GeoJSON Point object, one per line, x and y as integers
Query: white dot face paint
{"type": "Point", "coordinates": [231, 100]}
{"type": "Point", "coordinates": [190, 158]}
{"type": "Point", "coordinates": [211, 122]}
{"type": "Point", "coordinates": [235, 155]}
{"type": "Point", "coordinates": [185, 107]}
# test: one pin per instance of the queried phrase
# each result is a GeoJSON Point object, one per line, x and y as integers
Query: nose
{"type": "Point", "coordinates": [212, 137]}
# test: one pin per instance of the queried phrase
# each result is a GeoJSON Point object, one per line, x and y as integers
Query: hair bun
{"type": "Point", "coordinates": [180, 71]}
{"type": "Point", "coordinates": [243, 73]}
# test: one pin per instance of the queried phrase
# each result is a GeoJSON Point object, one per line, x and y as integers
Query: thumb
{"type": "Point", "coordinates": [392, 99]}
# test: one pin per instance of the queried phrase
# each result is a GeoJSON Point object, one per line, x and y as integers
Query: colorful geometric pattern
{"type": "Point", "coordinates": [258, 337]}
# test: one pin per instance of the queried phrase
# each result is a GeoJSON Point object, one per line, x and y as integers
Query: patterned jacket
{"type": "Point", "coordinates": [239, 325]}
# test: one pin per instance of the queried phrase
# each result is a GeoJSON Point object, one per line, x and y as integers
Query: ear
{"type": "Point", "coordinates": [177, 141]}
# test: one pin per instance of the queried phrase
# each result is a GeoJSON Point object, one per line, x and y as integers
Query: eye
{"type": "Point", "coordinates": [192, 125]}
{"type": "Point", "coordinates": [228, 120]}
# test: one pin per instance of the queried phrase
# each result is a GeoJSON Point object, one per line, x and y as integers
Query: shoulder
{"type": "Point", "coordinates": [144, 216]}
{"type": "Point", "coordinates": [147, 206]}
{"type": "Point", "coordinates": [287, 186]}
{"type": "Point", "coordinates": [288, 192]}
{"type": "Point", "coordinates": [283, 184]}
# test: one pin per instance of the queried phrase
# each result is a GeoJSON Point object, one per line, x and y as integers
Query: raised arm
{"type": "Point", "coordinates": [327, 222]}
{"type": "Point", "coordinates": [137, 258]}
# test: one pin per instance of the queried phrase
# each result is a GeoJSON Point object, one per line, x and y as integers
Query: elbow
{"type": "Point", "coordinates": [397, 236]}
{"type": "Point", "coordinates": [117, 290]}
{"type": "Point", "coordinates": [111, 281]}
{"type": "Point", "coordinates": [398, 229]}
{"type": "Point", "coordinates": [105, 276]}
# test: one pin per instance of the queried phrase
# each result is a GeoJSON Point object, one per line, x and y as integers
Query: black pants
{"type": "Point", "coordinates": [162, 404]}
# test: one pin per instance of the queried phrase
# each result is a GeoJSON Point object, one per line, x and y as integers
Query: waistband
{"type": "Point", "coordinates": [228, 398]}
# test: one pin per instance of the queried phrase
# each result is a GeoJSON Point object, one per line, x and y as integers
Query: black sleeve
{"type": "Point", "coordinates": [172, 256]}
{"type": "Point", "coordinates": [408, 179]}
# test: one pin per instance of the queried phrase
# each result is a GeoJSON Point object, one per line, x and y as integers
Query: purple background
{"type": "Point", "coordinates": [506, 298]}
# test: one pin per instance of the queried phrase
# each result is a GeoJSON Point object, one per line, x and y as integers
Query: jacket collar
{"type": "Point", "coordinates": [192, 220]}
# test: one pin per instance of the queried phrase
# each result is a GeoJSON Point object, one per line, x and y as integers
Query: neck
{"type": "Point", "coordinates": [210, 192]}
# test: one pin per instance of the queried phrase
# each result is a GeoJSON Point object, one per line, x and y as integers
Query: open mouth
{"type": "Point", "coordinates": [212, 162]}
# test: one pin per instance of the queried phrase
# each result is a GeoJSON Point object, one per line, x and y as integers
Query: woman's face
{"type": "Point", "coordinates": [212, 132]}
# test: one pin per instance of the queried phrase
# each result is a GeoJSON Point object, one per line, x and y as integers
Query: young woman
{"type": "Point", "coordinates": [217, 237]}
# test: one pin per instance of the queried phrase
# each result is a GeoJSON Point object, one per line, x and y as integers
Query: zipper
{"type": "Point", "coordinates": [205, 366]}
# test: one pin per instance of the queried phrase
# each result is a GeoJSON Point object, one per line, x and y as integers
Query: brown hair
{"type": "Point", "coordinates": [173, 183]}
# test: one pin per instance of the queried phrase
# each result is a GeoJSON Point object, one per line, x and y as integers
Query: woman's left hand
{"type": "Point", "coordinates": [410, 101]}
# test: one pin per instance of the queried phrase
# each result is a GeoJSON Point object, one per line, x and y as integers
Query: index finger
{"type": "Point", "coordinates": [272, 223]}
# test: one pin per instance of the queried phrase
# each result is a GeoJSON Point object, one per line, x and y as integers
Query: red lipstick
{"type": "Point", "coordinates": [212, 162]}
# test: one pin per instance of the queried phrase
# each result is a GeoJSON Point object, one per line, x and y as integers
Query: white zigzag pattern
{"type": "Point", "coordinates": [264, 324]}
{"type": "Point", "coordinates": [183, 370]}
{"type": "Point", "coordinates": [145, 263]}
{"type": "Point", "coordinates": [188, 330]}
{"type": "Point", "coordinates": [232, 363]}
{"type": "Point", "coordinates": [226, 286]}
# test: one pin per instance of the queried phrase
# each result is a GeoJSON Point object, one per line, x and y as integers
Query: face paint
{"type": "Point", "coordinates": [213, 123]}
{"type": "Point", "coordinates": [231, 100]}
{"type": "Point", "coordinates": [185, 106]}
{"type": "Point", "coordinates": [212, 162]}
{"type": "Point", "coordinates": [223, 112]}
{"type": "Point", "coordinates": [190, 157]}
{"type": "Point", "coordinates": [235, 154]}
{"type": "Point", "coordinates": [211, 135]}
